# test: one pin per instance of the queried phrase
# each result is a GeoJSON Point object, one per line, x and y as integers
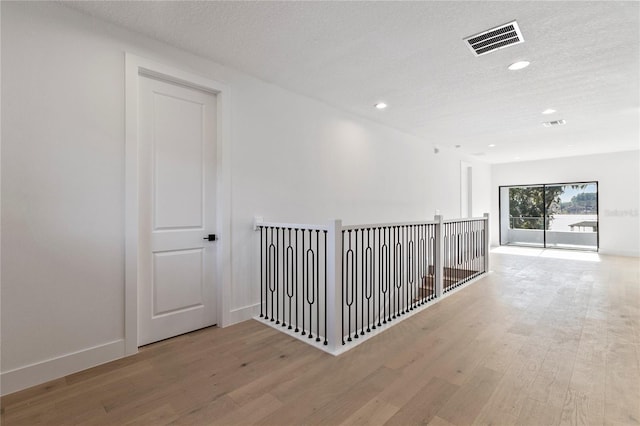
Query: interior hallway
{"type": "Point", "coordinates": [549, 337]}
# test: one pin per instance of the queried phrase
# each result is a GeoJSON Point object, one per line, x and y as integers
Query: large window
{"type": "Point", "coordinates": [563, 215]}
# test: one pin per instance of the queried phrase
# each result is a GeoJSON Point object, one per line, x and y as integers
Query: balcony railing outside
{"type": "Point", "coordinates": [333, 285]}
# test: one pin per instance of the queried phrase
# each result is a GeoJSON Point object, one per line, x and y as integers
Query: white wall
{"type": "Point", "coordinates": [293, 159]}
{"type": "Point", "coordinates": [618, 179]}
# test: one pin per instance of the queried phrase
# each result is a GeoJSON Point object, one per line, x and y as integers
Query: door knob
{"type": "Point", "coordinates": [210, 237]}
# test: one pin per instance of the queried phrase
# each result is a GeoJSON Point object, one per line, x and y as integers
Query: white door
{"type": "Point", "coordinates": [177, 194]}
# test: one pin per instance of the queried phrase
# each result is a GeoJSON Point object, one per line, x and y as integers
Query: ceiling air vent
{"type": "Point", "coordinates": [496, 38]}
{"type": "Point", "coordinates": [554, 123]}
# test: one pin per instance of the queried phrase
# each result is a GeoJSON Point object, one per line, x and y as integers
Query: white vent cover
{"type": "Point", "coordinates": [496, 38]}
{"type": "Point", "coordinates": [554, 123]}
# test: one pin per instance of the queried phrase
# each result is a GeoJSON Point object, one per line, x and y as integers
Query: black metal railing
{"type": "Point", "coordinates": [387, 271]}
{"type": "Point", "coordinates": [464, 246]}
{"type": "Point", "coordinates": [332, 285]}
{"type": "Point", "coordinates": [293, 277]}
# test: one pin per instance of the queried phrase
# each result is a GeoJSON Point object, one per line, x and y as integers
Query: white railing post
{"type": "Point", "coordinates": [334, 285]}
{"type": "Point", "coordinates": [487, 242]}
{"type": "Point", "coordinates": [439, 257]}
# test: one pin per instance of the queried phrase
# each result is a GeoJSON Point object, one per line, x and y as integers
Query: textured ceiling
{"type": "Point", "coordinates": [584, 64]}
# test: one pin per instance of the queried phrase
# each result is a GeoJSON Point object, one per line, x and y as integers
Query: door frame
{"type": "Point", "coordinates": [135, 67]}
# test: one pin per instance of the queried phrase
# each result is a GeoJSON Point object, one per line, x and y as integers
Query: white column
{"type": "Point", "coordinates": [334, 285]}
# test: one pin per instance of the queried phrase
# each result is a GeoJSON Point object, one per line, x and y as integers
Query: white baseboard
{"type": "Point", "coordinates": [624, 253]}
{"type": "Point", "coordinates": [54, 368]}
{"type": "Point", "coordinates": [241, 314]}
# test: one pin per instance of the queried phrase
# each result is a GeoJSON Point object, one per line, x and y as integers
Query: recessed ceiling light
{"type": "Point", "coordinates": [519, 65]}
{"type": "Point", "coordinates": [381, 105]}
{"type": "Point", "coordinates": [548, 111]}
{"type": "Point", "coordinates": [491, 145]}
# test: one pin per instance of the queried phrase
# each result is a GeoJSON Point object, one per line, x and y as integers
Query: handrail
{"type": "Point", "coordinates": [301, 226]}
{"type": "Point", "coordinates": [385, 225]}
{"type": "Point", "coordinates": [466, 219]}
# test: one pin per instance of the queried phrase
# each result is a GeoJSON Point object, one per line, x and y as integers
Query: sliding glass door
{"type": "Point", "coordinates": [563, 215]}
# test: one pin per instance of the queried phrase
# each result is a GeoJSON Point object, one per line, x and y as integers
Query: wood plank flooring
{"type": "Point", "coordinates": [540, 341]}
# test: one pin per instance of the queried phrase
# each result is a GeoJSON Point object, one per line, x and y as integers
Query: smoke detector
{"type": "Point", "coordinates": [495, 38]}
{"type": "Point", "coordinates": [554, 123]}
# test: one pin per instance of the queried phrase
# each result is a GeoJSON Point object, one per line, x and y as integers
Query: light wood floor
{"type": "Point", "coordinates": [541, 341]}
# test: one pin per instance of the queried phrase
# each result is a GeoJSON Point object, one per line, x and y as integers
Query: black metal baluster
{"type": "Point", "coordinates": [472, 249]}
{"type": "Point", "coordinates": [451, 253]}
{"type": "Point", "coordinates": [394, 248]}
{"type": "Point", "coordinates": [467, 250]}
{"type": "Point", "coordinates": [355, 286]}
{"type": "Point", "coordinates": [311, 265]}
{"type": "Point", "coordinates": [470, 272]}
{"type": "Point", "coordinates": [425, 262]}
{"type": "Point", "coordinates": [436, 273]}
{"type": "Point", "coordinates": [385, 274]}
{"type": "Point", "coordinates": [422, 268]}
{"type": "Point", "coordinates": [380, 279]}
{"type": "Point", "coordinates": [350, 260]}
{"type": "Point", "coordinates": [460, 252]}
{"type": "Point", "coordinates": [457, 252]}
{"type": "Point", "coordinates": [278, 274]}
{"type": "Point", "coordinates": [445, 261]}
{"type": "Point", "coordinates": [410, 269]}
{"type": "Point", "coordinates": [370, 278]}
{"type": "Point", "coordinates": [478, 264]}
{"type": "Point", "coordinates": [479, 243]}
{"type": "Point", "coordinates": [390, 273]}
{"type": "Point", "coordinates": [342, 290]}
{"type": "Point", "coordinates": [317, 285]}
{"type": "Point", "coordinates": [465, 273]}
{"type": "Point", "coordinates": [468, 267]}
{"type": "Point", "coordinates": [267, 273]}
{"type": "Point", "coordinates": [272, 270]}
{"type": "Point", "coordinates": [303, 330]}
{"type": "Point", "coordinates": [419, 267]}
{"type": "Point", "coordinates": [477, 246]}
{"type": "Point", "coordinates": [288, 277]}
{"type": "Point", "coordinates": [375, 285]}
{"type": "Point", "coordinates": [428, 243]}
{"type": "Point", "coordinates": [430, 264]}
{"type": "Point", "coordinates": [297, 283]}
{"type": "Point", "coordinates": [430, 250]}
{"type": "Point", "coordinates": [397, 294]}
{"type": "Point", "coordinates": [262, 280]}
{"type": "Point", "coordinates": [363, 279]}
{"type": "Point", "coordinates": [401, 277]}
{"type": "Point", "coordinates": [326, 333]}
